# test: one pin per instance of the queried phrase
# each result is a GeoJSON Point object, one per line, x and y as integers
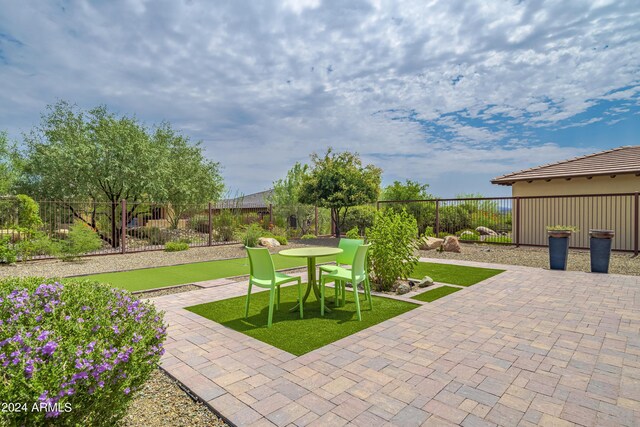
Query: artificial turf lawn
{"type": "Point", "coordinates": [292, 334]}
{"type": "Point", "coordinates": [159, 277]}
{"type": "Point", "coordinates": [453, 274]}
{"type": "Point", "coordinates": [436, 293]}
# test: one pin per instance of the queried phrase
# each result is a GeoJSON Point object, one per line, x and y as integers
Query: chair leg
{"type": "Point", "coordinates": [336, 293]}
{"type": "Point", "coordinates": [246, 305]}
{"type": "Point", "coordinates": [278, 299]}
{"type": "Point", "coordinates": [272, 297]}
{"type": "Point", "coordinates": [300, 297]}
{"type": "Point", "coordinates": [343, 289]}
{"type": "Point", "coordinates": [322, 283]}
{"type": "Point", "coordinates": [355, 296]}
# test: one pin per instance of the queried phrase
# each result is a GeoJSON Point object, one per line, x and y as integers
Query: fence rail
{"type": "Point", "coordinates": [522, 221]}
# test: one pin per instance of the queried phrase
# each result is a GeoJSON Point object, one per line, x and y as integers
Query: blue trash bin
{"type": "Point", "coordinates": [558, 250]}
{"type": "Point", "coordinates": [600, 248]}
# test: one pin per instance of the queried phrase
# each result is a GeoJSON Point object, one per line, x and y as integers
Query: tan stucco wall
{"type": "Point", "coordinates": [604, 212]}
{"type": "Point", "coordinates": [596, 185]}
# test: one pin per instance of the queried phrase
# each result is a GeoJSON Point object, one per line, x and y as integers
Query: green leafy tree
{"type": "Point", "coordinates": [339, 181]}
{"type": "Point", "coordinates": [96, 156]}
{"type": "Point", "coordinates": [190, 181]}
{"type": "Point", "coordinates": [423, 212]}
{"type": "Point", "coordinates": [286, 198]}
{"type": "Point", "coordinates": [7, 165]}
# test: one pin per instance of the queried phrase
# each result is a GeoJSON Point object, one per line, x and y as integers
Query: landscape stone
{"type": "Point", "coordinates": [451, 244]}
{"type": "Point", "coordinates": [268, 242]}
{"type": "Point", "coordinates": [425, 282]}
{"type": "Point", "coordinates": [403, 288]}
{"type": "Point", "coordinates": [486, 231]}
{"type": "Point", "coordinates": [431, 243]}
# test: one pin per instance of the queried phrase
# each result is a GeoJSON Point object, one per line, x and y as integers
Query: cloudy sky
{"type": "Point", "coordinates": [451, 92]}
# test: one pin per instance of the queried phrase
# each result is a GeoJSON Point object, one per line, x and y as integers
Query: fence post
{"type": "Point", "coordinates": [378, 205]}
{"type": "Point", "coordinates": [123, 239]}
{"type": "Point", "coordinates": [270, 214]}
{"type": "Point", "coordinates": [210, 227]}
{"type": "Point", "coordinates": [437, 230]}
{"type": "Point", "coordinates": [517, 223]}
{"type": "Point", "coordinates": [316, 221]}
{"type": "Point", "coordinates": [636, 232]}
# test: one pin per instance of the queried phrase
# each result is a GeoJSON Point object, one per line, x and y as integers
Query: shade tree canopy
{"type": "Point", "coordinates": [98, 156]}
{"type": "Point", "coordinates": [339, 181]}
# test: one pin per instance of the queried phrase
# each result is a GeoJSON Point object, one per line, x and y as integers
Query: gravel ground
{"type": "Point", "coordinates": [161, 402]}
{"type": "Point", "coordinates": [579, 260]}
{"type": "Point", "coordinates": [167, 291]}
{"type": "Point", "coordinates": [107, 263]}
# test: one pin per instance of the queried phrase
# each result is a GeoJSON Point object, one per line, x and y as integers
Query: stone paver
{"type": "Point", "coordinates": [526, 347]}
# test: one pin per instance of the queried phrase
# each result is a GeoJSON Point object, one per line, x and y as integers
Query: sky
{"type": "Point", "coordinates": [449, 93]}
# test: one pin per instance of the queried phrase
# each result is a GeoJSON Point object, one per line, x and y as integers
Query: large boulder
{"type": "Point", "coordinates": [268, 242]}
{"type": "Point", "coordinates": [430, 243]}
{"type": "Point", "coordinates": [425, 282]}
{"type": "Point", "coordinates": [451, 244]}
{"type": "Point", "coordinates": [403, 288]}
{"type": "Point", "coordinates": [467, 233]}
{"type": "Point", "coordinates": [486, 231]}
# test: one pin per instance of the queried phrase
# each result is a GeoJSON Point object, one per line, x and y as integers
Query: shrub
{"type": "Point", "coordinates": [428, 232]}
{"type": "Point", "coordinates": [354, 233]}
{"type": "Point", "coordinates": [8, 253]}
{"type": "Point", "coordinates": [199, 223]}
{"type": "Point", "coordinates": [281, 239]}
{"type": "Point", "coordinates": [308, 236]}
{"type": "Point", "coordinates": [224, 225]}
{"type": "Point", "coordinates": [153, 235]}
{"type": "Point", "coordinates": [81, 345]}
{"type": "Point", "coordinates": [38, 244]}
{"type": "Point", "coordinates": [252, 234]}
{"type": "Point", "coordinates": [80, 240]}
{"type": "Point", "coordinates": [469, 235]}
{"type": "Point", "coordinates": [497, 239]}
{"type": "Point", "coordinates": [176, 246]}
{"type": "Point", "coordinates": [28, 213]}
{"type": "Point", "coordinates": [392, 254]}
{"type": "Point", "coordinates": [361, 217]}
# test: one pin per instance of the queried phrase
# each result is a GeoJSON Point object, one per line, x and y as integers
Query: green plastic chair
{"type": "Point", "coordinates": [356, 275]}
{"type": "Point", "coordinates": [349, 248]}
{"type": "Point", "coordinates": [264, 275]}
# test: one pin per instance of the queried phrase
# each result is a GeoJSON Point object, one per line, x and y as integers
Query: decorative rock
{"type": "Point", "coordinates": [485, 231]}
{"type": "Point", "coordinates": [268, 242]}
{"type": "Point", "coordinates": [431, 243]}
{"type": "Point", "coordinates": [403, 288]}
{"type": "Point", "coordinates": [467, 233]}
{"type": "Point", "coordinates": [425, 282]}
{"type": "Point", "coordinates": [451, 244]}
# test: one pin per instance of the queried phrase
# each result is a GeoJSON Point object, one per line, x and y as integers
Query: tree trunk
{"type": "Point", "coordinates": [335, 217]}
{"type": "Point", "coordinates": [115, 236]}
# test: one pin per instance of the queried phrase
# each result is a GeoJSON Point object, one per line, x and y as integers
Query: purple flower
{"type": "Point", "coordinates": [80, 320]}
{"type": "Point", "coordinates": [136, 337]}
{"type": "Point", "coordinates": [28, 369]}
{"type": "Point", "coordinates": [115, 329]}
{"type": "Point", "coordinates": [49, 348]}
{"type": "Point", "coordinates": [43, 335]}
{"type": "Point", "coordinates": [127, 390]}
{"type": "Point", "coordinates": [67, 317]}
{"type": "Point", "coordinates": [80, 376]}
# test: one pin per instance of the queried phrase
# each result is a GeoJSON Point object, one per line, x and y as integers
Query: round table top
{"type": "Point", "coordinates": [311, 252]}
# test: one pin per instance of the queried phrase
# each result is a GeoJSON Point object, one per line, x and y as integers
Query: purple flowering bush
{"type": "Point", "coordinates": [73, 353]}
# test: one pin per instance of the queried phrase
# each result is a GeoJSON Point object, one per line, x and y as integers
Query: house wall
{"type": "Point", "coordinates": [585, 213]}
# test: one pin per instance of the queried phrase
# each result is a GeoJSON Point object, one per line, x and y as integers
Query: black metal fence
{"type": "Point", "coordinates": [522, 221]}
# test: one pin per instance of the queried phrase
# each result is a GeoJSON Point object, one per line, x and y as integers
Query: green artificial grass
{"type": "Point", "coordinates": [292, 334]}
{"type": "Point", "coordinates": [453, 274]}
{"type": "Point", "coordinates": [159, 277]}
{"type": "Point", "coordinates": [436, 293]}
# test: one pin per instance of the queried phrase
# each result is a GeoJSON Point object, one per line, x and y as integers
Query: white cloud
{"type": "Point", "coordinates": [265, 83]}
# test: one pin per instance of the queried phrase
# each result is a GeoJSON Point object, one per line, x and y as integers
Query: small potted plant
{"type": "Point", "coordinates": [559, 245]}
{"type": "Point", "coordinates": [600, 248]}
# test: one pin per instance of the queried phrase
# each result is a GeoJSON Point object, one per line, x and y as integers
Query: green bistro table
{"type": "Point", "coordinates": [310, 254]}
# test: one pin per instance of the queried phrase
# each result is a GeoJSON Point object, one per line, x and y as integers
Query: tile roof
{"type": "Point", "coordinates": [619, 160]}
{"type": "Point", "coordinates": [255, 200]}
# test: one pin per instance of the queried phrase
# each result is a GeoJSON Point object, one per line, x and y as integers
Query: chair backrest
{"type": "Point", "coordinates": [261, 264]}
{"type": "Point", "coordinates": [360, 262]}
{"type": "Point", "coordinates": [349, 248]}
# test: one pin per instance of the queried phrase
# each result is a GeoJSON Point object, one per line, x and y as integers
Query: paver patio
{"type": "Point", "coordinates": [526, 347]}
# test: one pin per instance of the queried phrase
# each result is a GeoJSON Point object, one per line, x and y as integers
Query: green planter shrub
{"type": "Point", "coordinates": [80, 240]}
{"type": "Point", "coordinates": [393, 247]}
{"type": "Point", "coordinates": [176, 246]}
{"type": "Point", "coordinates": [77, 350]}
